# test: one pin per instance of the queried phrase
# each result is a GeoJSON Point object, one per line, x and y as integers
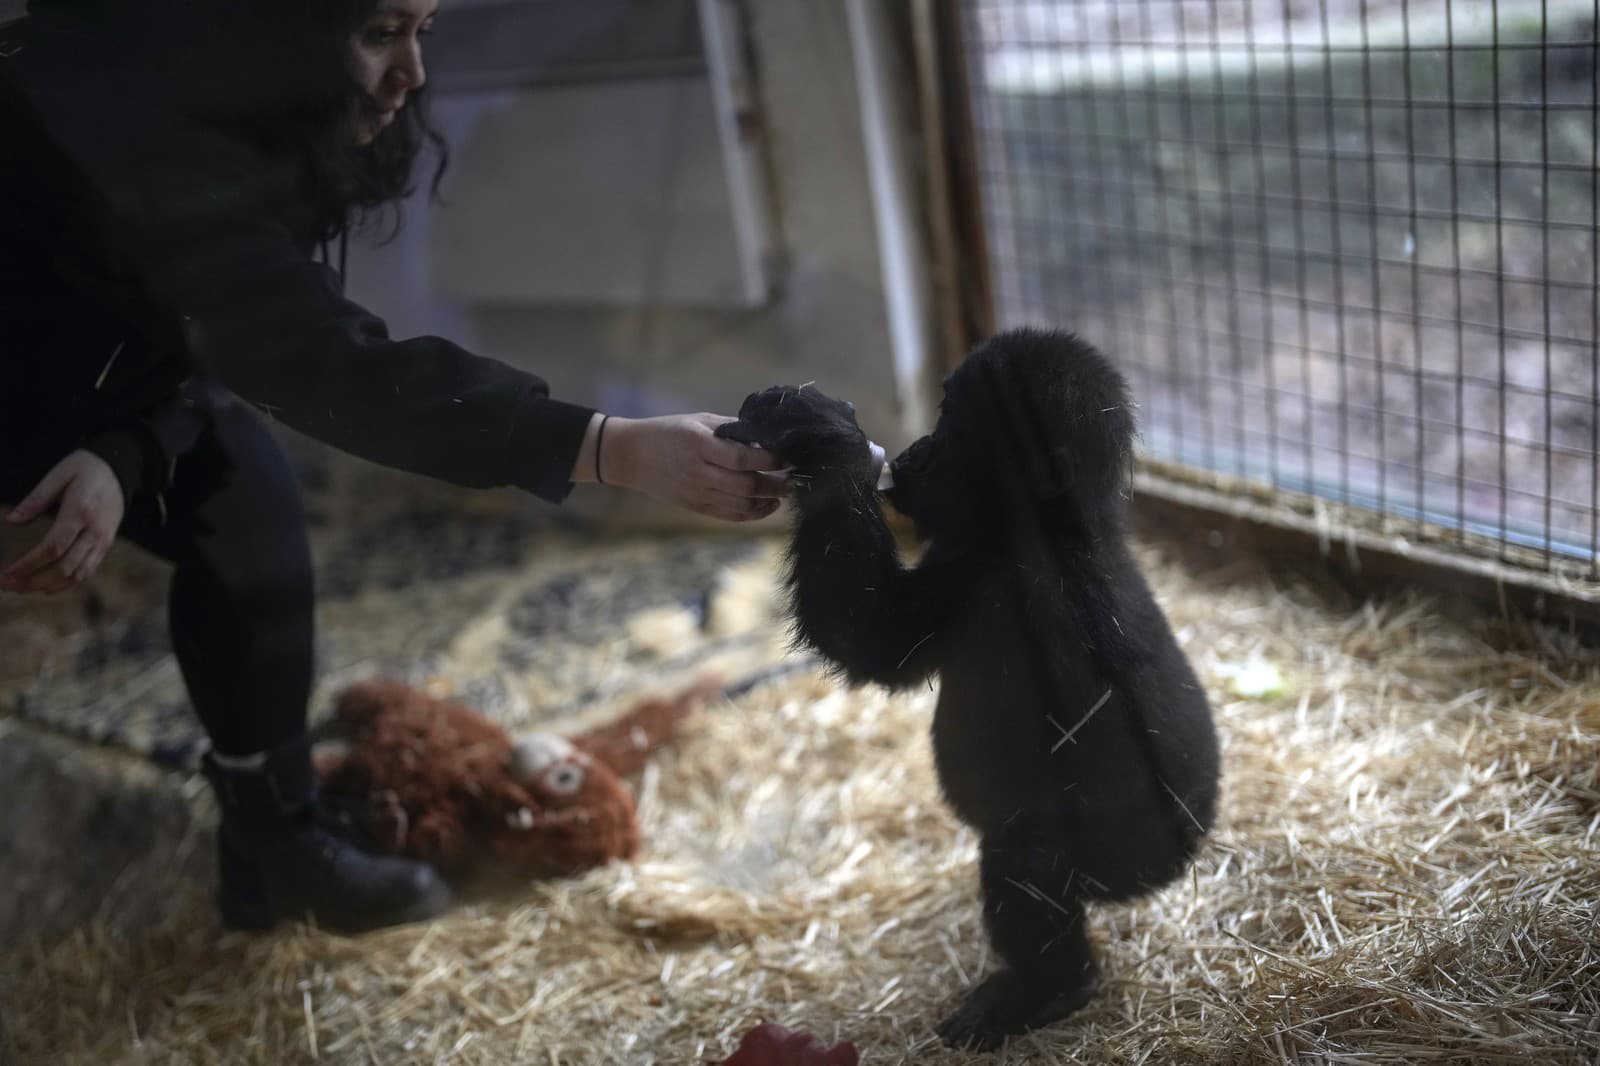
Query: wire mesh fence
{"type": "Point", "coordinates": [1343, 248]}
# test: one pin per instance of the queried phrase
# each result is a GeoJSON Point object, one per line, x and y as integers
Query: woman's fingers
{"type": "Point", "coordinates": [89, 507]}
{"type": "Point", "coordinates": [751, 511]}
{"type": "Point", "coordinates": [55, 575]}
{"type": "Point", "coordinates": [87, 568]}
{"type": "Point", "coordinates": [773, 485]}
{"type": "Point", "coordinates": [64, 532]}
{"type": "Point", "coordinates": [74, 566]}
{"type": "Point", "coordinates": [43, 496]}
{"type": "Point", "coordinates": [743, 484]}
{"type": "Point", "coordinates": [49, 583]}
{"type": "Point", "coordinates": [706, 499]}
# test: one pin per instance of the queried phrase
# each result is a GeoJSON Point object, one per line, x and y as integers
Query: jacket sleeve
{"type": "Point", "coordinates": [272, 325]}
{"type": "Point", "coordinates": [143, 449]}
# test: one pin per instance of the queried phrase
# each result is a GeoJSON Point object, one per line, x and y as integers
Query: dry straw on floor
{"type": "Point", "coordinates": [1406, 871]}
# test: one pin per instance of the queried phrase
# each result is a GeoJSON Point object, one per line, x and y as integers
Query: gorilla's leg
{"type": "Point", "coordinates": [1033, 909]}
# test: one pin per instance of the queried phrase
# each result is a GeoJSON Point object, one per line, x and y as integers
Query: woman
{"type": "Point", "coordinates": [181, 161]}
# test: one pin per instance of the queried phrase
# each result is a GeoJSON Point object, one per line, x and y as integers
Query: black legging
{"type": "Point", "coordinates": [242, 599]}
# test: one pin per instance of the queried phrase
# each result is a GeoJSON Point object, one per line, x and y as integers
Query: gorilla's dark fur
{"type": "Point", "coordinates": [1071, 731]}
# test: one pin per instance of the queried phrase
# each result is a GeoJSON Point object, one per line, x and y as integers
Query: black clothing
{"type": "Point", "coordinates": [218, 228]}
{"type": "Point", "coordinates": [155, 266]}
{"type": "Point", "coordinates": [241, 601]}
{"type": "Point", "coordinates": [92, 358]}
{"type": "Point", "coordinates": [241, 608]}
{"type": "Point", "coordinates": [282, 856]}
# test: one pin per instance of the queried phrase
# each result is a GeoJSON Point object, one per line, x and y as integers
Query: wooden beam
{"type": "Point", "coordinates": [1364, 561]}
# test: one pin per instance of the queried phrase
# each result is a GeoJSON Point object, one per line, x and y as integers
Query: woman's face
{"type": "Point", "coordinates": [386, 59]}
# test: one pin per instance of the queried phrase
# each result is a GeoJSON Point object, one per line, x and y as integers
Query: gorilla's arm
{"type": "Point", "coordinates": [853, 601]}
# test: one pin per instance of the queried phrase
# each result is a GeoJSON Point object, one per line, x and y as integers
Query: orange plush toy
{"type": "Point", "coordinates": [437, 780]}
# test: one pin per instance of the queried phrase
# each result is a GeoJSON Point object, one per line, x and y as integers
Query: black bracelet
{"type": "Point", "coordinates": [599, 438]}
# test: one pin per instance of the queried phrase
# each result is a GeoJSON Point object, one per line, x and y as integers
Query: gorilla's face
{"type": "Point", "coordinates": [934, 486]}
{"type": "Point", "coordinates": [910, 472]}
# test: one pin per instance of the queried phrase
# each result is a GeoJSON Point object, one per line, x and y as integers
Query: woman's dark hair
{"type": "Point", "coordinates": [280, 69]}
{"type": "Point", "coordinates": [352, 184]}
{"type": "Point", "coordinates": [288, 73]}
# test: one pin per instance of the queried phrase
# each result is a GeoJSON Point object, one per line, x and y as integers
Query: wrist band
{"type": "Point", "coordinates": [599, 439]}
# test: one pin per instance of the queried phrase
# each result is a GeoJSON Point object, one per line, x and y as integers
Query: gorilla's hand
{"type": "Point", "coordinates": [809, 430]}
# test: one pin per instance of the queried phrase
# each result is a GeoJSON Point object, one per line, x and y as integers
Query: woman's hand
{"type": "Point", "coordinates": [88, 502]}
{"type": "Point", "coordinates": [678, 459]}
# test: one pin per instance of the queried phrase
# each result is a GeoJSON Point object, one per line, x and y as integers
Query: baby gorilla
{"type": "Point", "coordinates": [1070, 731]}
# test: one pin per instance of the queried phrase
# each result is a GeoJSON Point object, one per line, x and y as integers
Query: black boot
{"type": "Point", "coordinates": [282, 856]}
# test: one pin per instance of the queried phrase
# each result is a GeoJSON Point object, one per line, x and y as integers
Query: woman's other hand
{"type": "Point", "coordinates": [88, 503]}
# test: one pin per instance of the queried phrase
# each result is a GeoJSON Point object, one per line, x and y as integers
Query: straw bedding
{"type": "Point", "coordinates": [1406, 870]}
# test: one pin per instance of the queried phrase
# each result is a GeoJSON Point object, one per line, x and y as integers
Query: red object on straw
{"type": "Point", "coordinates": [773, 1045]}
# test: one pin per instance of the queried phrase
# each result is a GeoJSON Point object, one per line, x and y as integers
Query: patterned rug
{"type": "Point", "coordinates": [531, 620]}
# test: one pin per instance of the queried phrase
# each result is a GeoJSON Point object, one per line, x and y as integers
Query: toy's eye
{"type": "Point", "coordinates": [534, 753]}
{"type": "Point", "coordinates": [564, 779]}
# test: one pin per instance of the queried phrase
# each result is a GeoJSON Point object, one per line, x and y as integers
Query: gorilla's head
{"type": "Point", "coordinates": [1029, 417]}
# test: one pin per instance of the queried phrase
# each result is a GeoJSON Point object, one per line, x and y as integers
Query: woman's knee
{"type": "Point", "coordinates": [235, 501]}
{"type": "Point", "coordinates": [251, 453]}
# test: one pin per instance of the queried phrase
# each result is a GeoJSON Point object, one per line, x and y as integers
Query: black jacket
{"type": "Point", "coordinates": [219, 236]}
{"type": "Point", "coordinates": [91, 357]}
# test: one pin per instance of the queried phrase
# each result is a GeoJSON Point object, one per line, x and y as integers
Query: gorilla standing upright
{"type": "Point", "coordinates": [1070, 731]}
